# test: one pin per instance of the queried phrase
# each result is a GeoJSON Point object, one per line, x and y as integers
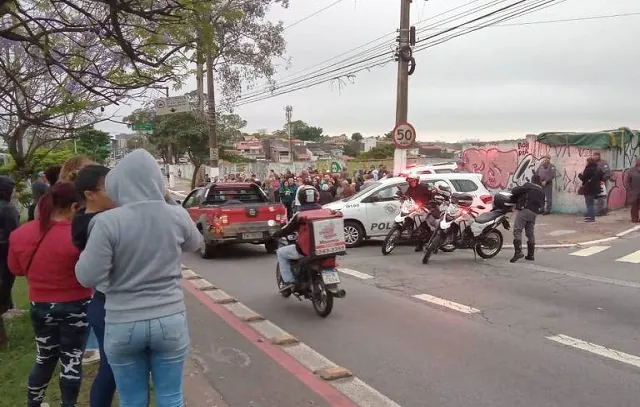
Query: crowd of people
{"type": "Point", "coordinates": [87, 268]}
{"type": "Point", "coordinates": [331, 187]}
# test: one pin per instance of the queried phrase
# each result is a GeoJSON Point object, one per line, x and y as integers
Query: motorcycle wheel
{"type": "Point", "coordinates": [321, 299]}
{"type": "Point", "coordinates": [431, 247]}
{"type": "Point", "coordinates": [391, 240]}
{"type": "Point", "coordinates": [448, 248]}
{"type": "Point", "coordinates": [496, 237]}
{"type": "Point", "coordinates": [280, 282]}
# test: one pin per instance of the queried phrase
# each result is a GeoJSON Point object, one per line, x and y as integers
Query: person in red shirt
{"type": "Point", "coordinates": [42, 251]}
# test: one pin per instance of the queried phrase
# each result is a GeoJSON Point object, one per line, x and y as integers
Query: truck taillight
{"type": "Point", "coordinates": [281, 218]}
{"type": "Point", "coordinates": [486, 199]}
{"type": "Point", "coordinates": [224, 219]}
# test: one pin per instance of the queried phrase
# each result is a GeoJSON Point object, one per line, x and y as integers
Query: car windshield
{"type": "Point", "coordinates": [363, 191]}
{"type": "Point", "coordinates": [230, 195]}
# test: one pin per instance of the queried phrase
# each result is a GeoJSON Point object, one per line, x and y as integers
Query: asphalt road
{"type": "Point", "coordinates": [497, 352]}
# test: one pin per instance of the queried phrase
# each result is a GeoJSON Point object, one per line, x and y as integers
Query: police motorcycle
{"type": "Point", "coordinates": [461, 226]}
{"type": "Point", "coordinates": [414, 218]}
{"type": "Point", "coordinates": [321, 237]}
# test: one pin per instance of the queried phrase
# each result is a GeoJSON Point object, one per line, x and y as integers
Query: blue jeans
{"type": "Point", "coordinates": [285, 255]}
{"type": "Point", "coordinates": [104, 384]}
{"type": "Point", "coordinates": [590, 202]}
{"type": "Point", "coordinates": [157, 346]}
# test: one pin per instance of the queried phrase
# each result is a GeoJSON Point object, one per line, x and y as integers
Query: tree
{"type": "Point", "coordinates": [356, 137]}
{"type": "Point", "coordinates": [302, 131]}
{"type": "Point", "coordinates": [388, 135]}
{"type": "Point", "coordinates": [353, 148]}
{"type": "Point", "coordinates": [132, 43]}
{"type": "Point", "coordinates": [95, 144]}
{"type": "Point", "coordinates": [379, 152]}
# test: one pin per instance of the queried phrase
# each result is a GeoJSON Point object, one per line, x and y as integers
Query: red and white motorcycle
{"type": "Point", "coordinates": [462, 227]}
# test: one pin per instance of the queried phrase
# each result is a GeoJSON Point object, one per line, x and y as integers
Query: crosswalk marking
{"type": "Point", "coordinates": [597, 349]}
{"type": "Point", "coordinates": [590, 251]}
{"type": "Point", "coordinates": [446, 303]}
{"type": "Point", "coordinates": [355, 273]}
{"type": "Point", "coordinates": [631, 258]}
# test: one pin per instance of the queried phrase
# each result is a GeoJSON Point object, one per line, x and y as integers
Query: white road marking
{"type": "Point", "coordinates": [631, 258]}
{"type": "Point", "coordinates": [605, 280]}
{"type": "Point", "coordinates": [355, 273]}
{"type": "Point", "coordinates": [590, 251]}
{"type": "Point", "coordinates": [561, 232]}
{"type": "Point", "coordinates": [596, 349]}
{"type": "Point", "coordinates": [446, 303]}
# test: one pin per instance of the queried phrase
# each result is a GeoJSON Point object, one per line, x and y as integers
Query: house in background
{"type": "Point", "coordinates": [250, 149]}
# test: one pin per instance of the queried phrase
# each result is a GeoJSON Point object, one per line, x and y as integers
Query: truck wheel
{"type": "Point", "coordinates": [271, 246]}
{"type": "Point", "coordinates": [208, 251]}
{"type": "Point", "coordinates": [353, 234]}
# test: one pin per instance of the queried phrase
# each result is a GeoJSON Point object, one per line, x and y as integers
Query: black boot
{"type": "Point", "coordinates": [531, 248]}
{"type": "Point", "coordinates": [517, 255]}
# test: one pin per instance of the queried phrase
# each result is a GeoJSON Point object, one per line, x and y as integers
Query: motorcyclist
{"type": "Point", "coordinates": [422, 194]}
{"type": "Point", "coordinates": [308, 198]}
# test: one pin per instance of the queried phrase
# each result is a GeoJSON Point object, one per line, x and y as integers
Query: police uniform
{"type": "Point", "coordinates": [529, 200]}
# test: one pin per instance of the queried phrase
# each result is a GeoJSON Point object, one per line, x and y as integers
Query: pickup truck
{"type": "Point", "coordinates": [231, 213]}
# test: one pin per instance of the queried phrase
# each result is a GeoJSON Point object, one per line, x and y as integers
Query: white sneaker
{"type": "Point", "coordinates": [90, 356]}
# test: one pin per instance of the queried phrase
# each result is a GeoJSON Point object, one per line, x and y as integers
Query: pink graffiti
{"type": "Point", "coordinates": [618, 193]}
{"type": "Point", "coordinates": [496, 165]}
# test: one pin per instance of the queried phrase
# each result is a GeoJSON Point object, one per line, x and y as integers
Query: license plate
{"type": "Point", "coordinates": [330, 277]}
{"type": "Point", "coordinates": [249, 236]}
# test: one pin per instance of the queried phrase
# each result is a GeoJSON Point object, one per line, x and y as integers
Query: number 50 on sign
{"type": "Point", "coordinates": [404, 135]}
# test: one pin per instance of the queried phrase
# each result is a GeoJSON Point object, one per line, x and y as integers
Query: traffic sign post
{"type": "Point", "coordinates": [404, 135]}
{"type": "Point", "coordinates": [175, 104]}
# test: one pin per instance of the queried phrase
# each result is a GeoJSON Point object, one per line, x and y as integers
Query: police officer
{"type": "Point", "coordinates": [547, 173]}
{"type": "Point", "coordinates": [529, 200]}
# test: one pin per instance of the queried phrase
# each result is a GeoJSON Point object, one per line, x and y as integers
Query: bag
{"type": "Point", "coordinates": [26, 272]}
{"type": "Point", "coordinates": [581, 190]}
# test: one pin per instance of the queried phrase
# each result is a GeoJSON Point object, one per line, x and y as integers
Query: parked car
{"type": "Point", "coordinates": [232, 213]}
{"type": "Point", "coordinates": [371, 212]}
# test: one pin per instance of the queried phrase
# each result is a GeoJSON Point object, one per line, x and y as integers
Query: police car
{"type": "Point", "coordinates": [370, 213]}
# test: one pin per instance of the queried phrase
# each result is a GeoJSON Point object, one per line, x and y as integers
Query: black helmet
{"type": "Point", "coordinates": [308, 195]}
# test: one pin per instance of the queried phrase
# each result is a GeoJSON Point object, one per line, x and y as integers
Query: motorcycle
{"type": "Point", "coordinates": [462, 227]}
{"type": "Point", "coordinates": [409, 221]}
{"type": "Point", "coordinates": [316, 279]}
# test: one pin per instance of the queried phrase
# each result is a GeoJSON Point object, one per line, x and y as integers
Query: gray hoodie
{"type": "Point", "coordinates": [134, 250]}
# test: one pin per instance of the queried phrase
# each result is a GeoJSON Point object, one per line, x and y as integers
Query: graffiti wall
{"type": "Point", "coordinates": [510, 164]}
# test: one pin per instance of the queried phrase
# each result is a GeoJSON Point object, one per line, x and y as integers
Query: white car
{"type": "Point", "coordinates": [440, 168]}
{"type": "Point", "coordinates": [370, 212]}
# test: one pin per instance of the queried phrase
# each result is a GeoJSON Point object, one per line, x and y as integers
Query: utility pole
{"type": "Point", "coordinates": [211, 112]}
{"type": "Point", "coordinates": [402, 99]}
{"type": "Point", "coordinates": [289, 112]}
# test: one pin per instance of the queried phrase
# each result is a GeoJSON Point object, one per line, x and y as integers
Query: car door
{"type": "Point", "coordinates": [192, 203]}
{"type": "Point", "coordinates": [382, 207]}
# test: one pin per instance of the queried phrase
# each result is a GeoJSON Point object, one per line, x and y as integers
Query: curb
{"type": "Point", "coordinates": [583, 244]}
{"type": "Point", "coordinates": [338, 377]}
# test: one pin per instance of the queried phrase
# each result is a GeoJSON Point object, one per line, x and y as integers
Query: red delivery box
{"type": "Point", "coordinates": [321, 233]}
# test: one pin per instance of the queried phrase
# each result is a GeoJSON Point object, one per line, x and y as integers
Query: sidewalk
{"type": "Point", "coordinates": [559, 230]}
{"type": "Point", "coordinates": [182, 186]}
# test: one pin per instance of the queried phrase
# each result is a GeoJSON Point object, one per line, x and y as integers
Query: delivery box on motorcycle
{"type": "Point", "coordinates": [321, 233]}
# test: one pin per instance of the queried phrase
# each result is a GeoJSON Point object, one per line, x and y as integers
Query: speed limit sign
{"type": "Point", "coordinates": [404, 135]}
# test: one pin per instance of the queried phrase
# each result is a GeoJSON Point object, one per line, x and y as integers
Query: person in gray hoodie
{"type": "Point", "coordinates": [133, 257]}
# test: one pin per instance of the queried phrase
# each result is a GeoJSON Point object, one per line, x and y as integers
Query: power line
{"type": "Point", "coordinates": [373, 61]}
{"type": "Point", "coordinates": [315, 13]}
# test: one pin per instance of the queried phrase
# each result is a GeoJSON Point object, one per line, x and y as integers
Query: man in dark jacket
{"type": "Point", "coordinates": [602, 206]}
{"type": "Point", "coordinates": [529, 200]}
{"type": "Point", "coordinates": [9, 221]}
{"type": "Point", "coordinates": [308, 198]}
{"type": "Point", "coordinates": [591, 178]}
{"type": "Point", "coordinates": [38, 189]}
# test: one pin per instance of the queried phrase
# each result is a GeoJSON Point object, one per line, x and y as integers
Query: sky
{"type": "Point", "coordinates": [500, 82]}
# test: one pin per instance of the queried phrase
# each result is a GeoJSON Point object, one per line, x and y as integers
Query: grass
{"type": "Point", "coordinates": [18, 357]}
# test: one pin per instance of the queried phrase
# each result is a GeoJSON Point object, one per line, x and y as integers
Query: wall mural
{"type": "Point", "coordinates": [507, 166]}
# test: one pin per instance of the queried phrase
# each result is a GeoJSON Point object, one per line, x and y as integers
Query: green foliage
{"type": "Point", "coordinates": [356, 137]}
{"type": "Point", "coordinates": [95, 144]}
{"type": "Point", "coordinates": [302, 131]}
{"type": "Point", "coordinates": [379, 152]}
{"type": "Point", "coordinates": [353, 148]}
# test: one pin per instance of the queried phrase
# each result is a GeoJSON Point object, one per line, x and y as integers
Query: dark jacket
{"type": "Point", "coordinates": [529, 196]}
{"type": "Point", "coordinates": [9, 217]}
{"type": "Point", "coordinates": [591, 178]}
{"type": "Point", "coordinates": [326, 197]}
{"type": "Point", "coordinates": [80, 228]}
{"type": "Point", "coordinates": [422, 193]}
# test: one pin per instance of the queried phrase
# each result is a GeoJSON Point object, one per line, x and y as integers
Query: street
{"type": "Point", "coordinates": [561, 331]}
